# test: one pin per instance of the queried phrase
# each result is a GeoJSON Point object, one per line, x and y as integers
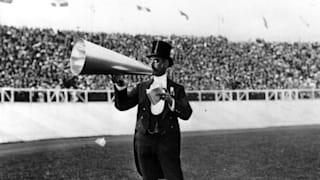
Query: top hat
{"type": "Point", "coordinates": [161, 49]}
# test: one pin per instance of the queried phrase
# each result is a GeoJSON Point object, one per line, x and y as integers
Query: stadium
{"type": "Point", "coordinates": [251, 71]}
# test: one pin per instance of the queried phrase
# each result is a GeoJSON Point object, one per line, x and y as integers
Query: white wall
{"type": "Point", "coordinates": [31, 121]}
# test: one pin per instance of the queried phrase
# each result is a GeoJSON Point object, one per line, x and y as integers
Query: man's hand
{"type": "Point", "coordinates": [118, 80]}
{"type": "Point", "coordinates": [166, 97]}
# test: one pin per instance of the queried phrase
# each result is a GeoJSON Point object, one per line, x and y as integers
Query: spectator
{"type": "Point", "coordinates": [38, 58]}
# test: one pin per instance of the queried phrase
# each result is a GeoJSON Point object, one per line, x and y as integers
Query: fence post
{"type": "Point", "coordinates": [12, 96]}
{"type": "Point", "coordinates": [313, 94]}
{"type": "Point", "coordinates": [48, 96]}
{"type": "Point", "coordinates": [66, 98]}
{"type": "Point", "coordinates": [86, 96]}
{"type": "Point", "coordinates": [247, 95]}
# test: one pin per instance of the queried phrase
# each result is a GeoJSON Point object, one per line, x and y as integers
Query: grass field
{"type": "Point", "coordinates": [270, 153]}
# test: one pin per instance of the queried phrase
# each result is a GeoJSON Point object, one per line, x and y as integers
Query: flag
{"type": "Point", "coordinates": [222, 20]}
{"type": "Point", "coordinates": [304, 21]}
{"type": "Point", "coordinates": [265, 22]}
{"type": "Point", "coordinates": [184, 14]}
{"type": "Point", "coordinates": [59, 3]}
{"type": "Point", "coordinates": [6, 1]}
{"type": "Point", "coordinates": [92, 8]}
{"type": "Point", "coordinates": [147, 9]}
{"type": "Point", "coordinates": [141, 8]}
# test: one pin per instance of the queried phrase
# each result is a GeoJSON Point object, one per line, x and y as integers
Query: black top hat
{"type": "Point", "coordinates": [161, 49]}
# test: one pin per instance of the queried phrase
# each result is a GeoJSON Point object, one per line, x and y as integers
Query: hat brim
{"type": "Point", "coordinates": [157, 55]}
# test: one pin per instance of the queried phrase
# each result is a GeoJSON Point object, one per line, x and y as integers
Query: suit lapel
{"type": "Point", "coordinates": [170, 87]}
{"type": "Point", "coordinates": [166, 107]}
{"type": "Point", "coordinates": [145, 97]}
{"type": "Point", "coordinates": [145, 102]}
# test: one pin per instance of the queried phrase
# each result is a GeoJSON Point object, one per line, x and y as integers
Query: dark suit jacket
{"type": "Point", "coordinates": [125, 100]}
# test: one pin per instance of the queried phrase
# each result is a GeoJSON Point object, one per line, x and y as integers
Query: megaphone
{"type": "Point", "coordinates": [89, 58]}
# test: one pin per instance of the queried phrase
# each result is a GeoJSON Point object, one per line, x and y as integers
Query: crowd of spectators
{"type": "Point", "coordinates": [39, 58]}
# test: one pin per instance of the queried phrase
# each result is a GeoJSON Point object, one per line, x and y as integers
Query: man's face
{"type": "Point", "coordinates": [159, 65]}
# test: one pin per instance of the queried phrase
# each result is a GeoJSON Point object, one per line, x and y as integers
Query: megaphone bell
{"type": "Point", "coordinates": [89, 58]}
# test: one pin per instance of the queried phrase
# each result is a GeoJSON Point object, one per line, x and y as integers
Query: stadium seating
{"type": "Point", "coordinates": [38, 58]}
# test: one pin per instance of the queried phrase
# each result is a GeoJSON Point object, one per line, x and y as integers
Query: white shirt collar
{"type": "Point", "coordinates": [160, 80]}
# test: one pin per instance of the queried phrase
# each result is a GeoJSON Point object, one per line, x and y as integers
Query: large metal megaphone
{"type": "Point", "coordinates": [89, 58]}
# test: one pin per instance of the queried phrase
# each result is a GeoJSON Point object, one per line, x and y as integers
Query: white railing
{"type": "Point", "coordinates": [71, 95]}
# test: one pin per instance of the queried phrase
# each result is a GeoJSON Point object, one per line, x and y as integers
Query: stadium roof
{"type": "Point", "coordinates": [238, 20]}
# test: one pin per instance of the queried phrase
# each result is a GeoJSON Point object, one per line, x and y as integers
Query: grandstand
{"type": "Point", "coordinates": [241, 71]}
{"type": "Point", "coordinates": [38, 58]}
{"type": "Point", "coordinates": [36, 54]}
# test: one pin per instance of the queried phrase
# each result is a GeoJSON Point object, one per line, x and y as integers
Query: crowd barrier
{"type": "Point", "coordinates": [11, 95]}
{"type": "Point", "coordinates": [33, 114]}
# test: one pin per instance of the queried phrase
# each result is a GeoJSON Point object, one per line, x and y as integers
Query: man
{"type": "Point", "coordinates": [157, 132]}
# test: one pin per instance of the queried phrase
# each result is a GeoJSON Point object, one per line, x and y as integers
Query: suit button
{"type": "Point", "coordinates": [143, 109]}
{"type": "Point", "coordinates": [171, 127]}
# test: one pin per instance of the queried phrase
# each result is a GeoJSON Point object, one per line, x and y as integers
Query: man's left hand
{"type": "Point", "coordinates": [166, 97]}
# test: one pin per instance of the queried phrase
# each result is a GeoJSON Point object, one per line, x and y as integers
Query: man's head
{"type": "Point", "coordinates": [159, 65]}
{"type": "Point", "coordinates": [160, 57]}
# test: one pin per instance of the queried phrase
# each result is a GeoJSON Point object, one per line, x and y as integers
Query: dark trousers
{"type": "Point", "coordinates": [159, 155]}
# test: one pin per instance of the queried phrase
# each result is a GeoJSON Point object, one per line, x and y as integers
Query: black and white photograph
{"type": "Point", "coordinates": [159, 90]}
